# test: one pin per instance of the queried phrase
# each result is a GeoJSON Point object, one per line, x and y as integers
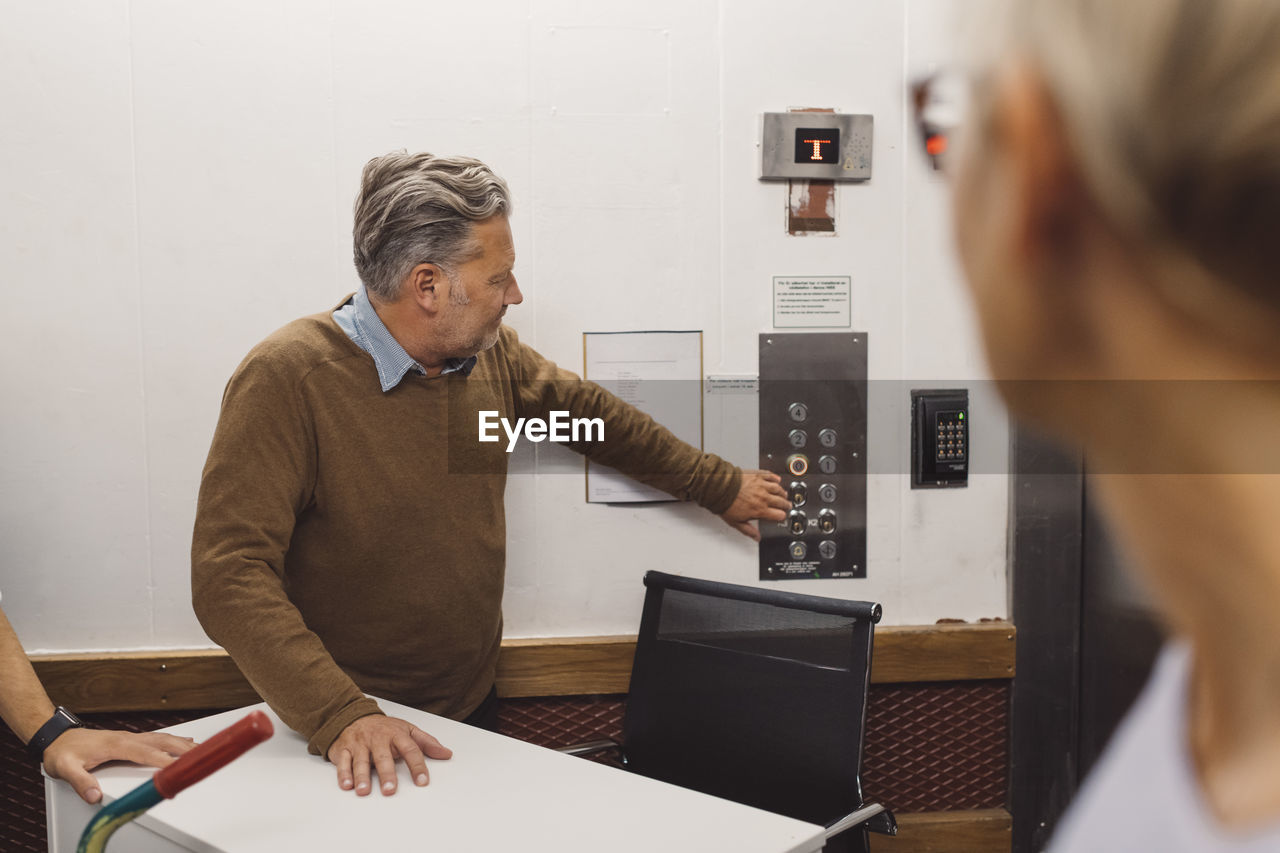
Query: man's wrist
{"type": "Point", "coordinates": [723, 489]}
{"type": "Point", "coordinates": [57, 725]}
{"type": "Point", "coordinates": [319, 743]}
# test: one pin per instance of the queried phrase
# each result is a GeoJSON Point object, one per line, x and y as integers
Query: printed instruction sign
{"type": "Point", "coordinates": [812, 302]}
{"type": "Point", "coordinates": [660, 373]}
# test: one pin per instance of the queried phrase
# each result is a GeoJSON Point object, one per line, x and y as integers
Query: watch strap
{"type": "Point", "coordinates": [61, 720]}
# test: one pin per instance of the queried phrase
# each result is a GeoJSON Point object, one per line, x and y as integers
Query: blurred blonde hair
{"type": "Point", "coordinates": [1172, 110]}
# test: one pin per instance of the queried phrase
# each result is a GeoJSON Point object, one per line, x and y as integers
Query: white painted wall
{"type": "Point", "coordinates": [176, 181]}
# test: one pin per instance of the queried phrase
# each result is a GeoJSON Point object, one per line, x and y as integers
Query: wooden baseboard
{"type": "Point", "coordinates": [978, 831]}
{"type": "Point", "coordinates": [182, 680]}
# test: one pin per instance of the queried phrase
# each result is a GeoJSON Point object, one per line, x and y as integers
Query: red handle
{"type": "Point", "coordinates": [214, 754]}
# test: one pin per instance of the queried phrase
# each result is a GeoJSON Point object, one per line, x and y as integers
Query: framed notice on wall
{"type": "Point", "coordinates": [660, 373]}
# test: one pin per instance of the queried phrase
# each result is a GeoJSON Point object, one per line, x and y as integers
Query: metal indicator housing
{"type": "Point", "coordinates": [822, 146]}
{"type": "Point", "coordinates": [820, 380]}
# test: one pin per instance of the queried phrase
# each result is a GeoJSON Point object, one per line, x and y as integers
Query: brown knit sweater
{"type": "Point", "coordinates": [351, 540]}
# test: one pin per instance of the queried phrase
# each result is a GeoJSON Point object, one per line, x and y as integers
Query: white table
{"type": "Point", "coordinates": [495, 794]}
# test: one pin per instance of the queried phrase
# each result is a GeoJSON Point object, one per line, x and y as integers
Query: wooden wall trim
{"type": "Point", "coordinates": [565, 667]}
{"type": "Point", "coordinates": [908, 653]}
{"type": "Point", "coordinates": [144, 681]}
{"type": "Point", "coordinates": [976, 831]}
{"type": "Point", "coordinates": [182, 680]}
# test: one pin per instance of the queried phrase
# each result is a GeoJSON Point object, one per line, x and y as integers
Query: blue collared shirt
{"type": "Point", "coordinates": [363, 325]}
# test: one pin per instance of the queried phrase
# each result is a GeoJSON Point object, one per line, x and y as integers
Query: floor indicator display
{"type": "Point", "coordinates": [813, 433]}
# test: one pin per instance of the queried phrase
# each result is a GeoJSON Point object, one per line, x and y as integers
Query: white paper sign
{"type": "Point", "coordinates": [733, 385]}
{"type": "Point", "coordinates": [812, 302]}
{"type": "Point", "coordinates": [660, 373]}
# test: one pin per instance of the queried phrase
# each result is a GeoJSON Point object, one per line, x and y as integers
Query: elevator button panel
{"type": "Point", "coordinates": [813, 400]}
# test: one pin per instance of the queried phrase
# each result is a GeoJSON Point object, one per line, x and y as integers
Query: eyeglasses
{"type": "Point", "coordinates": [941, 102]}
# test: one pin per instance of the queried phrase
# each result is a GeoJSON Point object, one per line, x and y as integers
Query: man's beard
{"type": "Point", "coordinates": [481, 343]}
{"type": "Point", "coordinates": [489, 340]}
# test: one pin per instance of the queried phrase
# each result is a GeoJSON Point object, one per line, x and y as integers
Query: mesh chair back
{"type": "Point", "coordinates": [753, 695]}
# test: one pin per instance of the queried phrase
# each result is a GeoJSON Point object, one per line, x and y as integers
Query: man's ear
{"type": "Point", "coordinates": [424, 282]}
{"type": "Point", "coordinates": [1049, 199]}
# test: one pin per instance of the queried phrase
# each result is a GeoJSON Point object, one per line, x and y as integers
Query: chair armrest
{"type": "Point", "coordinates": [590, 747]}
{"type": "Point", "coordinates": [876, 817]}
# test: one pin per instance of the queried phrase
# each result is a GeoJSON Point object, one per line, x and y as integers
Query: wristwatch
{"type": "Point", "coordinates": [61, 720]}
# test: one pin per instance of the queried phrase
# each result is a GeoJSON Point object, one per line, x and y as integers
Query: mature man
{"type": "Point", "coordinates": [350, 534]}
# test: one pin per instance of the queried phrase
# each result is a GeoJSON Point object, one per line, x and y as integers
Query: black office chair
{"type": "Point", "coordinates": [757, 696]}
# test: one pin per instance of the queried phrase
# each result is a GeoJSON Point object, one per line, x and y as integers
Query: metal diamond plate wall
{"type": "Point", "coordinates": [562, 720]}
{"type": "Point", "coordinates": [937, 747]}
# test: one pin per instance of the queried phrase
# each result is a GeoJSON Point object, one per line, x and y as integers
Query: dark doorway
{"type": "Point", "coordinates": [1087, 636]}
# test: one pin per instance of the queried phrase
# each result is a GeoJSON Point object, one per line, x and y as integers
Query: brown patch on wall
{"type": "Point", "coordinates": [811, 205]}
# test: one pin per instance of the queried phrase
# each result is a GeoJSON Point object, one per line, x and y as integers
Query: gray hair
{"type": "Point", "coordinates": [1172, 111]}
{"type": "Point", "coordinates": [419, 208]}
